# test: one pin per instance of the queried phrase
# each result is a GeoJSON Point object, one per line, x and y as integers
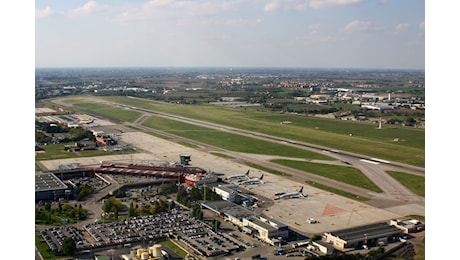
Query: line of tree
{"type": "Point", "coordinates": [83, 191]}
{"type": "Point", "coordinates": [49, 215]}
{"type": "Point", "coordinates": [194, 194]}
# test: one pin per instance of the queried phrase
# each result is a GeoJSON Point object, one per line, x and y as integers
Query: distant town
{"type": "Point", "coordinates": [229, 163]}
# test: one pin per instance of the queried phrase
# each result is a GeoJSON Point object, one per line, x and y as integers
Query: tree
{"type": "Point", "coordinates": [131, 210]}
{"type": "Point", "coordinates": [216, 224]}
{"type": "Point", "coordinates": [315, 237]}
{"type": "Point", "coordinates": [68, 246]}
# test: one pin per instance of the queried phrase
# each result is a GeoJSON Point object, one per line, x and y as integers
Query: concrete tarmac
{"type": "Point", "coordinates": [332, 211]}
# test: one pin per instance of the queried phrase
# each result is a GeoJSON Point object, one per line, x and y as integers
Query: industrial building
{"type": "Point", "coordinates": [262, 227]}
{"type": "Point", "coordinates": [368, 235]}
{"type": "Point", "coordinates": [50, 187]}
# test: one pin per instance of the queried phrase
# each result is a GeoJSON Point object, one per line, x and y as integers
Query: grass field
{"type": "Point", "coordinates": [366, 138]}
{"type": "Point", "coordinates": [343, 174]}
{"type": "Point", "coordinates": [56, 151]}
{"type": "Point", "coordinates": [414, 183]}
{"type": "Point", "coordinates": [43, 248]}
{"type": "Point", "coordinates": [336, 191]}
{"type": "Point", "coordinates": [227, 140]}
{"type": "Point", "coordinates": [222, 155]}
{"type": "Point", "coordinates": [267, 169]}
{"type": "Point", "coordinates": [121, 114]}
{"type": "Point", "coordinates": [171, 245]}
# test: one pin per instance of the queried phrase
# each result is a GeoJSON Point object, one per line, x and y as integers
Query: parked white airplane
{"type": "Point", "coordinates": [239, 176]}
{"type": "Point", "coordinates": [253, 181]}
{"type": "Point", "coordinates": [290, 195]}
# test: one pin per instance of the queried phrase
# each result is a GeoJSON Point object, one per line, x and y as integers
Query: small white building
{"type": "Point", "coordinates": [227, 193]}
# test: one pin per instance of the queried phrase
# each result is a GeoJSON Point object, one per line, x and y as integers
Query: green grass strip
{"type": "Point", "coordinates": [56, 151]}
{"type": "Point", "coordinates": [133, 127]}
{"type": "Point", "coordinates": [265, 169]}
{"type": "Point", "coordinates": [343, 174]}
{"type": "Point", "coordinates": [189, 145]}
{"type": "Point", "coordinates": [222, 155]}
{"type": "Point", "coordinates": [414, 183]}
{"type": "Point", "coordinates": [229, 141]}
{"type": "Point", "coordinates": [159, 136]}
{"type": "Point", "coordinates": [171, 245]}
{"type": "Point", "coordinates": [336, 191]}
{"type": "Point", "coordinates": [43, 248]}
{"type": "Point", "coordinates": [109, 111]}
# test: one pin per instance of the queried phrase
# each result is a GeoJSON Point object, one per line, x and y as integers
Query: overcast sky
{"type": "Point", "coordinates": [231, 33]}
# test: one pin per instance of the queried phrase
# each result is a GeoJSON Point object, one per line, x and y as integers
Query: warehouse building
{"type": "Point", "coordinates": [368, 235]}
{"type": "Point", "coordinates": [50, 187]}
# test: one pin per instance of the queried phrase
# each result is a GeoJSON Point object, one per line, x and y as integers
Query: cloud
{"type": "Point", "coordinates": [284, 5]}
{"type": "Point", "coordinates": [333, 3]}
{"type": "Point", "coordinates": [88, 8]}
{"type": "Point", "coordinates": [313, 28]}
{"type": "Point", "coordinates": [299, 5]}
{"type": "Point", "coordinates": [422, 25]}
{"type": "Point", "coordinates": [401, 26]}
{"type": "Point", "coordinates": [44, 13]}
{"type": "Point", "coordinates": [162, 10]}
{"type": "Point", "coordinates": [360, 26]}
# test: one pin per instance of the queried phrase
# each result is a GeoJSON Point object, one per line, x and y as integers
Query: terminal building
{"type": "Point", "coordinates": [266, 229]}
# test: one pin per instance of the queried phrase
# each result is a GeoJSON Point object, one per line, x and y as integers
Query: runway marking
{"type": "Point", "coordinates": [332, 210]}
{"type": "Point", "coordinates": [380, 160]}
{"type": "Point", "coordinates": [364, 160]}
{"type": "Point", "coordinates": [401, 199]}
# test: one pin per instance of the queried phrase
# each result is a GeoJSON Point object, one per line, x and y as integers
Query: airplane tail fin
{"type": "Point", "coordinates": [261, 177]}
{"type": "Point", "coordinates": [247, 173]}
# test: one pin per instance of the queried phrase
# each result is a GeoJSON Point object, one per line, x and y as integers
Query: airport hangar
{"type": "Point", "coordinates": [369, 235]}
{"type": "Point", "coordinates": [262, 227]}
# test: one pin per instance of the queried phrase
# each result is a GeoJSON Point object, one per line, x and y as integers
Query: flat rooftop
{"type": "Point", "coordinates": [47, 182]}
{"type": "Point", "coordinates": [229, 208]}
{"type": "Point", "coordinates": [369, 231]}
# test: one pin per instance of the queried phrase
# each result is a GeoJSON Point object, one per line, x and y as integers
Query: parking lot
{"type": "Point", "coordinates": [178, 225]}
